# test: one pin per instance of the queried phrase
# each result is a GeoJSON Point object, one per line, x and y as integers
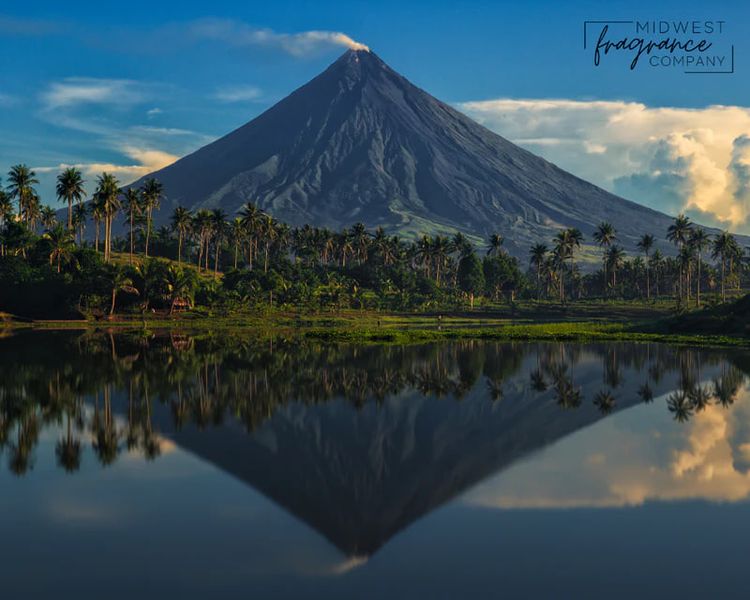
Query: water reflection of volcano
{"type": "Point", "coordinates": [358, 442]}
{"type": "Point", "coordinates": [360, 474]}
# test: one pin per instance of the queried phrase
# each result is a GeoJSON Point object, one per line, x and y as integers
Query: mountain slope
{"type": "Point", "coordinates": [361, 143]}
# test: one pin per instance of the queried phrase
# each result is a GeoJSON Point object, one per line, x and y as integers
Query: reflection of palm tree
{"type": "Point", "coordinates": [68, 450]}
{"type": "Point", "coordinates": [537, 381]}
{"type": "Point", "coordinates": [568, 396]}
{"type": "Point", "coordinates": [646, 393]}
{"type": "Point", "coordinates": [680, 406]}
{"type": "Point", "coordinates": [726, 387]}
{"type": "Point", "coordinates": [496, 389]}
{"type": "Point", "coordinates": [700, 397]}
{"type": "Point", "coordinates": [106, 437]}
{"type": "Point", "coordinates": [604, 401]}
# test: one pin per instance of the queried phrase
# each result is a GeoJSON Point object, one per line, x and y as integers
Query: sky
{"type": "Point", "coordinates": [130, 88]}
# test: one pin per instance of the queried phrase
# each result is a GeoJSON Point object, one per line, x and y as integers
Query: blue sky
{"type": "Point", "coordinates": [132, 87]}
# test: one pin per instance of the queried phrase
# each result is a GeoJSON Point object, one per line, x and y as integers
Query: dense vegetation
{"type": "Point", "coordinates": [207, 260]}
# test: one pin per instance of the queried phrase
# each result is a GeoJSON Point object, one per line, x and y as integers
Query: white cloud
{"type": "Point", "coordinates": [238, 93]}
{"type": "Point", "coordinates": [6, 100]}
{"type": "Point", "coordinates": [237, 33]}
{"type": "Point", "coordinates": [75, 91]}
{"type": "Point", "coordinates": [672, 159]}
{"type": "Point", "coordinates": [146, 161]}
{"type": "Point", "coordinates": [152, 112]}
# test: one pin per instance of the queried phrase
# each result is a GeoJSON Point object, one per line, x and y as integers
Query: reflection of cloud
{"type": "Point", "coordinates": [672, 159]}
{"type": "Point", "coordinates": [640, 455]}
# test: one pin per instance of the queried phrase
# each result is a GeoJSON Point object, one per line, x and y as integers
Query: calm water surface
{"type": "Point", "coordinates": [175, 466]}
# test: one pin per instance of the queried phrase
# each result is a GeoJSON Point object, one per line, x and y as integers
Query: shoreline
{"type": "Point", "coordinates": [390, 329]}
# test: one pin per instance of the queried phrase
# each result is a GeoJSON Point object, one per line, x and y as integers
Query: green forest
{"type": "Point", "coordinates": [105, 257]}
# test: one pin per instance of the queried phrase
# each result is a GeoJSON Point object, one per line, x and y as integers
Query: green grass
{"type": "Point", "coordinates": [403, 330]}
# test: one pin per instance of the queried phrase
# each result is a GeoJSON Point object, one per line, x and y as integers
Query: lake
{"type": "Point", "coordinates": [165, 465]}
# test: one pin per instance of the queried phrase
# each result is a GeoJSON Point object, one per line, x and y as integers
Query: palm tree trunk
{"type": "Point", "coordinates": [698, 283]}
{"type": "Point", "coordinates": [114, 298]}
{"type": "Point", "coordinates": [132, 243]}
{"type": "Point", "coordinates": [179, 247]}
{"type": "Point", "coordinates": [148, 228]}
{"type": "Point", "coordinates": [70, 214]}
{"type": "Point", "coordinates": [562, 286]}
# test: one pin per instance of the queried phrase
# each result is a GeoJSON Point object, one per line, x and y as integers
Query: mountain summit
{"type": "Point", "coordinates": [359, 142]}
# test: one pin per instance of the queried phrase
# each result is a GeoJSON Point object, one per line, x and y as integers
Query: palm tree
{"type": "Point", "coordinates": [678, 233]}
{"type": "Point", "coordinates": [80, 214]}
{"type": "Point", "coordinates": [461, 244]}
{"type": "Point", "coordinates": [270, 233]}
{"type": "Point", "coordinates": [6, 215]}
{"type": "Point", "coordinates": [180, 284]}
{"type": "Point", "coordinates": [424, 253]}
{"type": "Point", "coordinates": [721, 249]}
{"type": "Point", "coordinates": [61, 244]}
{"type": "Point", "coordinates": [383, 246]}
{"type": "Point", "coordinates": [496, 245]}
{"type": "Point", "coordinates": [439, 252]}
{"type": "Point", "coordinates": [21, 188]}
{"type": "Point", "coordinates": [644, 245]}
{"type": "Point", "coordinates": [655, 265]}
{"type": "Point", "coordinates": [698, 242]}
{"type": "Point", "coordinates": [152, 194]}
{"type": "Point", "coordinates": [33, 211]}
{"type": "Point", "coordinates": [202, 228]}
{"type": "Point", "coordinates": [132, 207]}
{"type": "Point", "coordinates": [614, 259]}
{"type": "Point", "coordinates": [108, 197]}
{"type": "Point", "coordinates": [251, 216]}
{"type": "Point", "coordinates": [605, 235]}
{"type": "Point", "coordinates": [219, 229]}
{"type": "Point", "coordinates": [238, 235]}
{"type": "Point", "coordinates": [70, 189]}
{"type": "Point", "coordinates": [182, 221]}
{"type": "Point", "coordinates": [48, 217]}
{"type": "Point", "coordinates": [566, 242]}
{"type": "Point", "coordinates": [360, 241]}
{"type": "Point", "coordinates": [538, 253]}
{"type": "Point", "coordinates": [119, 281]}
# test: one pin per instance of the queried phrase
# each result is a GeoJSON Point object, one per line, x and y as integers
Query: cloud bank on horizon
{"type": "Point", "coordinates": [675, 160]}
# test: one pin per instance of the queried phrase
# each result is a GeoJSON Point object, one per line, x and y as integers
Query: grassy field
{"type": "Point", "coordinates": [533, 321]}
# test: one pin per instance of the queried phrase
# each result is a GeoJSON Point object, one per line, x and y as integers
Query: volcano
{"type": "Point", "coordinates": [360, 143]}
